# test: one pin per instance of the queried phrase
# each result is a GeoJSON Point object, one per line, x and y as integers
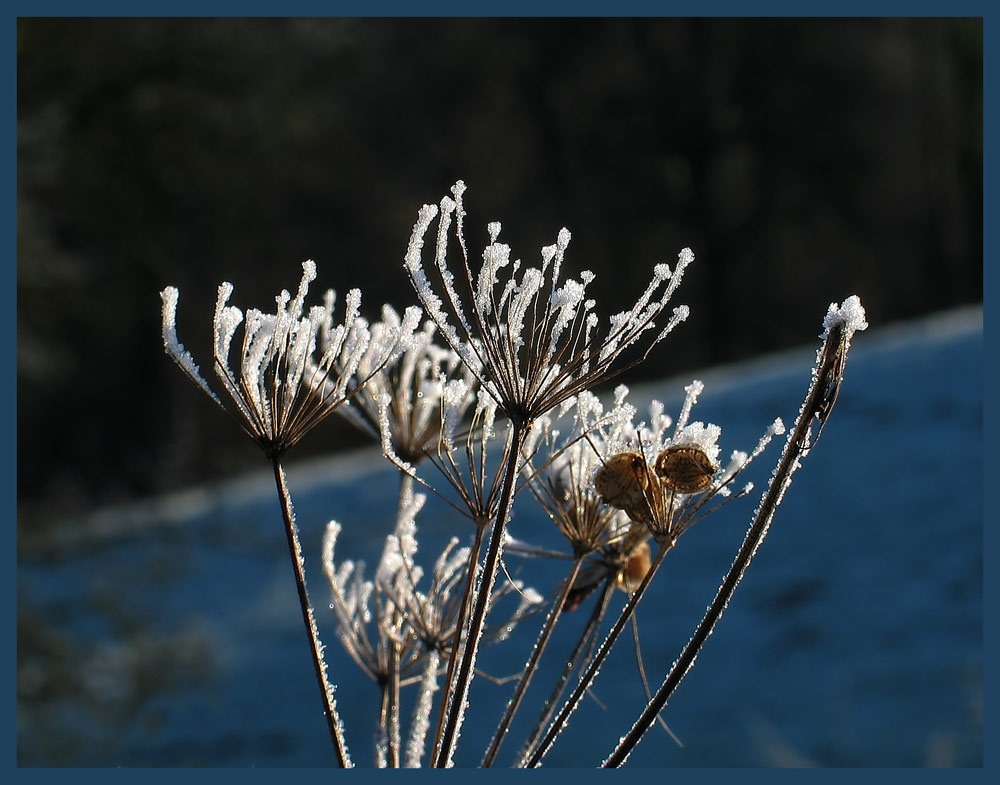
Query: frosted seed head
{"type": "Point", "coordinates": [685, 469]}
{"type": "Point", "coordinates": [698, 434]}
{"type": "Point", "coordinates": [635, 568]}
{"type": "Point", "coordinates": [623, 480]}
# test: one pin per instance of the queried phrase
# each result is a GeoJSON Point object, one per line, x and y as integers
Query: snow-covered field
{"type": "Point", "coordinates": [168, 633]}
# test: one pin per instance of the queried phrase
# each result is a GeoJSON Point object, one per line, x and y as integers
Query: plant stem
{"type": "Point", "coordinates": [529, 669]}
{"type": "Point", "coordinates": [315, 646]}
{"type": "Point", "coordinates": [459, 691]}
{"type": "Point", "coordinates": [456, 647]}
{"type": "Point", "coordinates": [382, 744]}
{"type": "Point", "coordinates": [818, 402]}
{"type": "Point", "coordinates": [389, 715]}
{"type": "Point", "coordinates": [595, 664]}
{"type": "Point", "coordinates": [588, 637]}
{"type": "Point", "coordinates": [422, 711]}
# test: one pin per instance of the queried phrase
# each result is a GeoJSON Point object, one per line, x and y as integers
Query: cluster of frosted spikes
{"type": "Point", "coordinates": [393, 628]}
{"type": "Point", "coordinates": [532, 341]}
{"type": "Point", "coordinates": [295, 367]}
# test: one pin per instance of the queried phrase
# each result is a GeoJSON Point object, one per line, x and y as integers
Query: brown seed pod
{"type": "Point", "coordinates": [635, 568]}
{"type": "Point", "coordinates": [653, 503]}
{"type": "Point", "coordinates": [623, 481]}
{"type": "Point", "coordinates": [685, 469]}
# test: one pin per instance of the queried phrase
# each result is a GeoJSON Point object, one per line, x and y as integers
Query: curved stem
{"type": "Point", "coordinates": [818, 403]}
{"type": "Point", "coordinates": [595, 664]}
{"type": "Point", "coordinates": [459, 690]}
{"type": "Point", "coordinates": [529, 668]}
{"type": "Point", "coordinates": [315, 646]}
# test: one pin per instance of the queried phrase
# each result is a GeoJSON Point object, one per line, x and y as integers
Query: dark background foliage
{"type": "Point", "coordinates": [802, 160]}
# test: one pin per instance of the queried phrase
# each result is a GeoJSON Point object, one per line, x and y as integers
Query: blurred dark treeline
{"type": "Point", "coordinates": [802, 161]}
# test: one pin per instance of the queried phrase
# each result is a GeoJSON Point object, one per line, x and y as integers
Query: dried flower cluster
{"type": "Point", "coordinates": [282, 389]}
{"type": "Point", "coordinates": [504, 404]}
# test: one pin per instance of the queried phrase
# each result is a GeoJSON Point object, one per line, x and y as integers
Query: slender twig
{"type": "Point", "coordinates": [587, 640]}
{"type": "Point", "coordinates": [382, 744]}
{"type": "Point", "coordinates": [392, 688]}
{"type": "Point", "coordinates": [588, 676]}
{"type": "Point", "coordinates": [818, 403]}
{"type": "Point", "coordinates": [315, 647]}
{"type": "Point", "coordinates": [459, 689]}
{"type": "Point", "coordinates": [457, 643]}
{"type": "Point", "coordinates": [641, 668]}
{"type": "Point", "coordinates": [529, 668]}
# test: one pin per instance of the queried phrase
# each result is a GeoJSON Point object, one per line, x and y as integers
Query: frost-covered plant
{"type": "Point", "coordinates": [410, 628]}
{"type": "Point", "coordinates": [532, 341]}
{"type": "Point", "coordinates": [536, 340]}
{"type": "Point", "coordinates": [282, 388]}
{"type": "Point", "coordinates": [839, 326]}
{"type": "Point", "coordinates": [507, 404]}
{"type": "Point", "coordinates": [631, 468]}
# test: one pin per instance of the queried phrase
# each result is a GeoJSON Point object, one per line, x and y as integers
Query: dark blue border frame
{"type": "Point", "coordinates": [8, 326]}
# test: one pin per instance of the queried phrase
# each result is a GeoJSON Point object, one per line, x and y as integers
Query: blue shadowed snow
{"type": "Point", "coordinates": [168, 633]}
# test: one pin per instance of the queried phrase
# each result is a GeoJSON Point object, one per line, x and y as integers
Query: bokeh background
{"type": "Point", "coordinates": [802, 161]}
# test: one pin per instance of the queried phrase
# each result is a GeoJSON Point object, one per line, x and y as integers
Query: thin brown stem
{"type": "Point", "coordinates": [529, 668]}
{"type": "Point", "coordinates": [315, 647]}
{"type": "Point", "coordinates": [456, 646]}
{"type": "Point", "coordinates": [459, 689]}
{"type": "Point", "coordinates": [392, 688]}
{"type": "Point", "coordinates": [587, 640]}
{"type": "Point", "coordinates": [592, 669]}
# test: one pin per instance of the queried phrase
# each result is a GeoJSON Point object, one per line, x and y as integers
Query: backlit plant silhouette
{"type": "Point", "coordinates": [504, 405]}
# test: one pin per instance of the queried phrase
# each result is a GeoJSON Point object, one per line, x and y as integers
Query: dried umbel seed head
{"type": "Point", "coordinates": [652, 508]}
{"type": "Point", "coordinates": [685, 469]}
{"type": "Point", "coordinates": [635, 569]}
{"type": "Point", "coordinates": [623, 481]}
